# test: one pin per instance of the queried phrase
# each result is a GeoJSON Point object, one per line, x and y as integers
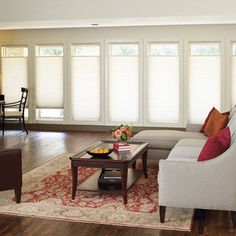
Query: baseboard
{"type": "Point", "coordinates": [84, 128]}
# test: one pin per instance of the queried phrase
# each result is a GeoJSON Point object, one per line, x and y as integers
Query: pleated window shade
{"type": "Point", "coordinates": [49, 77]}
{"type": "Point", "coordinates": [14, 72]}
{"type": "Point", "coordinates": [85, 74]}
{"type": "Point", "coordinates": [163, 83]}
{"type": "Point", "coordinates": [233, 75]}
{"type": "Point", "coordinates": [124, 82]}
{"type": "Point", "coordinates": [204, 80]}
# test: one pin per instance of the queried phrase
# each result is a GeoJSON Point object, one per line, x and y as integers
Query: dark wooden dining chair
{"type": "Point", "coordinates": [11, 171]}
{"type": "Point", "coordinates": [18, 111]}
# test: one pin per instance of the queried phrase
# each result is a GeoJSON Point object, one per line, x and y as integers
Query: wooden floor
{"type": "Point", "coordinates": [39, 147]}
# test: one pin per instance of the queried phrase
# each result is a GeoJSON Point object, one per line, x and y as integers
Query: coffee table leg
{"type": "Point", "coordinates": [134, 165]}
{"type": "Point", "coordinates": [144, 161]}
{"type": "Point", "coordinates": [74, 180]}
{"type": "Point", "coordinates": [124, 171]}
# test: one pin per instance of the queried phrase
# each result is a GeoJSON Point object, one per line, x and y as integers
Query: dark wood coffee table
{"type": "Point", "coordinates": [121, 161]}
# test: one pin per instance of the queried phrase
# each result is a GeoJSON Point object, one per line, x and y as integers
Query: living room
{"type": "Point", "coordinates": [157, 68]}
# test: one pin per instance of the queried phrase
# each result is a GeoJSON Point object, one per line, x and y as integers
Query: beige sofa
{"type": "Point", "coordinates": [183, 181]}
{"type": "Point", "coordinates": [161, 142]}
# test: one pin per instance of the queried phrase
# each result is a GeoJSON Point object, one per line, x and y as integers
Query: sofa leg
{"type": "Point", "coordinates": [233, 217]}
{"type": "Point", "coordinates": [18, 195]}
{"type": "Point", "coordinates": [162, 210]}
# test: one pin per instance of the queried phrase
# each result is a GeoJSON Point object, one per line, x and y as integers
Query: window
{"type": "Point", "coordinates": [163, 82]}
{"type": "Point", "coordinates": [233, 75]}
{"type": "Point", "coordinates": [14, 71]}
{"type": "Point", "coordinates": [124, 82]}
{"type": "Point", "coordinates": [204, 80]}
{"type": "Point", "coordinates": [49, 82]}
{"type": "Point", "coordinates": [85, 74]}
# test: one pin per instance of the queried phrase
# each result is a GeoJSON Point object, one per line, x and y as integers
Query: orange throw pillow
{"type": "Point", "coordinates": [216, 122]}
{"type": "Point", "coordinates": [206, 120]}
{"type": "Point", "coordinates": [208, 116]}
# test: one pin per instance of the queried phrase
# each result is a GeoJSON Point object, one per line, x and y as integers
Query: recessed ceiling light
{"type": "Point", "coordinates": [94, 24]}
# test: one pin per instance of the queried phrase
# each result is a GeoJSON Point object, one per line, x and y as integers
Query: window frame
{"type": "Point", "coordinates": [49, 120]}
{"type": "Point", "coordinates": [180, 44]}
{"type": "Point", "coordinates": [29, 119]}
{"type": "Point", "coordinates": [223, 82]}
{"type": "Point", "coordinates": [140, 80]}
{"type": "Point", "coordinates": [70, 119]}
{"type": "Point", "coordinates": [102, 97]}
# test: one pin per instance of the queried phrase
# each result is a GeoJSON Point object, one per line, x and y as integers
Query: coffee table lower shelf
{"type": "Point", "coordinates": [91, 184]}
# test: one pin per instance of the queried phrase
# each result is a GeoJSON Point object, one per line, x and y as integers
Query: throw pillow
{"type": "Point", "coordinates": [216, 122]}
{"type": "Point", "coordinates": [215, 145]}
{"type": "Point", "coordinates": [206, 120]}
{"type": "Point", "coordinates": [208, 116]}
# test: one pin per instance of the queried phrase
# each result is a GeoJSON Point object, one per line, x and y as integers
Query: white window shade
{"type": "Point", "coordinates": [233, 76]}
{"type": "Point", "coordinates": [86, 88]}
{"type": "Point", "coordinates": [49, 82]}
{"type": "Point", "coordinates": [204, 86]}
{"type": "Point", "coordinates": [14, 76]}
{"type": "Point", "coordinates": [163, 89]}
{"type": "Point", "coordinates": [124, 88]}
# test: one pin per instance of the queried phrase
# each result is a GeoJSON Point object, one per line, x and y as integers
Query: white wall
{"type": "Point", "coordinates": [224, 34]}
{"type": "Point", "coordinates": [45, 13]}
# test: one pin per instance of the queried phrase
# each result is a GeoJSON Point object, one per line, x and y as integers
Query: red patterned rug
{"type": "Point", "coordinates": [47, 194]}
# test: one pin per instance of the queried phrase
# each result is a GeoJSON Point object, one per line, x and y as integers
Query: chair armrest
{"type": "Point", "coordinates": [193, 127]}
{"type": "Point", "coordinates": [10, 168]}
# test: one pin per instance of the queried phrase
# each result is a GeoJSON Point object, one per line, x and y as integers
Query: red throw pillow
{"type": "Point", "coordinates": [207, 119]}
{"type": "Point", "coordinates": [215, 145]}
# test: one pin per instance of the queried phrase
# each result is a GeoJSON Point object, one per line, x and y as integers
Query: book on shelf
{"type": "Point", "coordinates": [112, 174]}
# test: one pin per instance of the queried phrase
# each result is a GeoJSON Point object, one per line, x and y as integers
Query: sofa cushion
{"type": "Point", "coordinates": [232, 127]}
{"type": "Point", "coordinates": [215, 145]}
{"type": "Point", "coordinates": [216, 122]}
{"type": "Point", "coordinates": [165, 139]}
{"type": "Point", "coordinates": [184, 153]}
{"type": "Point", "coordinates": [232, 111]}
{"type": "Point", "coordinates": [191, 143]}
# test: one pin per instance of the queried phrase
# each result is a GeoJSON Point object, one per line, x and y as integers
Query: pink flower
{"type": "Point", "coordinates": [123, 129]}
{"type": "Point", "coordinates": [118, 133]}
{"type": "Point", "coordinates": [128, 133]}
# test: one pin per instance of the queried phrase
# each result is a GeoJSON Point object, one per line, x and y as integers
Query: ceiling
{"type": "Point", "coordinates": [25, 14]}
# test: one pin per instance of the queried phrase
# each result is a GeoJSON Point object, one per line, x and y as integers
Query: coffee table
{"type": "Point", "coordinates": [121, 161]}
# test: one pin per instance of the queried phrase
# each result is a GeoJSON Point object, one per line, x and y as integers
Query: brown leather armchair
{"type": "Point", "coordinates": [11, 171]}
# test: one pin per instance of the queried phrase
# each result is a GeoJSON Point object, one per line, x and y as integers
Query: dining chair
{"type": "Point", "coordinates": [15, 110]}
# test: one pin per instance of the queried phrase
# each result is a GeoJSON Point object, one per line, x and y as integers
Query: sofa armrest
{"type": "Point", "coordinates": [193, 127]}
{"type": "Point", "coordinates": [196, 184]}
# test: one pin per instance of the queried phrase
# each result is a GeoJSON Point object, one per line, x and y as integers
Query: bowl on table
{"type": "Point", "coordinates": [100, 152]}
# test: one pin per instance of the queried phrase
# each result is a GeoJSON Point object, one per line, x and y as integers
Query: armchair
{"type": "Point", "coordinates": [11, 171]}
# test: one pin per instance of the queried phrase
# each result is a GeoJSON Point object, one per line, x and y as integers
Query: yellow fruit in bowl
{"type": "Point", "coordinates": [99, 151]}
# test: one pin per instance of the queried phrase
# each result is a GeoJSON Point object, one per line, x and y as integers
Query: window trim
{"type": "Point", "coordinates": [36, 119]}
{"type": "Point", "coordinates": [180, 44]}
{"type": "Point", "coordinates": [102, 79]}
{"type": "Point", "coordinates": [123, 41]}
{"type": "Point", "coordinates": [222, 52]}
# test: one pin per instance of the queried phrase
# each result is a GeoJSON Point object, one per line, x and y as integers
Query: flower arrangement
{"type": "Point", "coordinates": [122, 133]}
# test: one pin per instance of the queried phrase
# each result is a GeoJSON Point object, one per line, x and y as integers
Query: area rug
{"type": "Point", "coordinates": [47, 194]}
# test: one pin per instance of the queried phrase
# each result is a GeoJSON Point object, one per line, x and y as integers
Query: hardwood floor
{"type": "Point", "coordinates": [39, 147]}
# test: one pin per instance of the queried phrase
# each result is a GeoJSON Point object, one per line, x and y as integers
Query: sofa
{"type": "Point", "coordinates": [187, 183]}
{"type": "Point", "coordinates": [161, 142]}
